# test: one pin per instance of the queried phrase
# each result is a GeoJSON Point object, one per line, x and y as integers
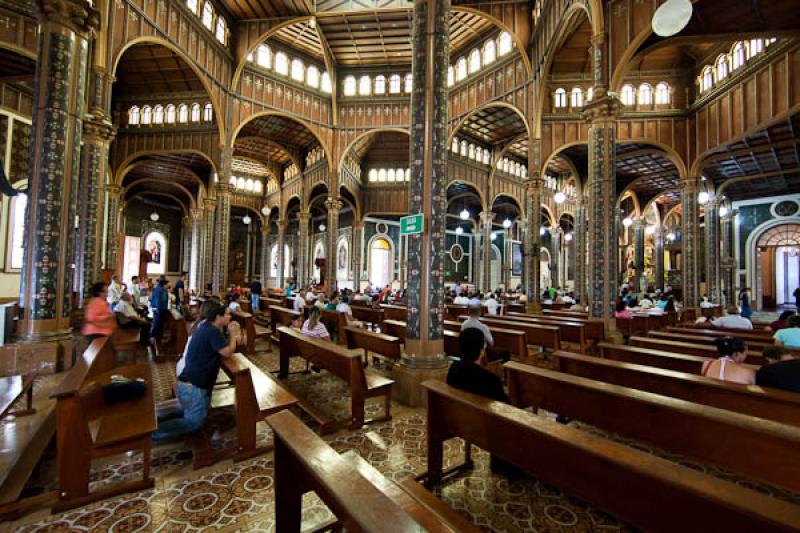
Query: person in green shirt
{"type": "Point", "coordinates": [789, 337]}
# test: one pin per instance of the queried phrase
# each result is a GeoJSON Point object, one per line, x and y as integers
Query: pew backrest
{"type": "Point", "coordinates": [380, 343]}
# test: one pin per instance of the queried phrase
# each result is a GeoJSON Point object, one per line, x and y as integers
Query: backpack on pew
{"type": "Point", "coordinates": [121, 389]}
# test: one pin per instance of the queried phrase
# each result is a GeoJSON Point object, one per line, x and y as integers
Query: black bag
{"type": "Point", "coordinates": [119, 392]}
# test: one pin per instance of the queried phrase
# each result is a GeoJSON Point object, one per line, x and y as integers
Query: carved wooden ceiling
{"type": "Point", "coordinates": [282, 130]}
{"type": "Point", "coordinates": [649, 170]}
{"type": "Point", "coordinates": [764, 163]}
{"type": "Point", "coordinates": [261, 149]}
{"type": "Point", "coordinates": [574, 54]}
{"type": "Point", "coordinates": [17, 69]}
{"type": "Point", "coordinates": [389, 147]}
{"type": "Point", "coordinates": [151, 68]}
{"type": "Point", "coordinates": [493, 125]}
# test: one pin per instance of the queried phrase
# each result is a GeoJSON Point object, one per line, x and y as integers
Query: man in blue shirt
{"type": "Point", "coordinates": [196, 380]}
{"type": "Point", "coordinates": [180, 291]}
{"type": "Point", "coordinates": [159, 302]}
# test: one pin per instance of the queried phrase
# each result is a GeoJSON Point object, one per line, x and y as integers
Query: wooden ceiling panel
{"type": "Point", "coordinates": [282, 130]}
{"type": "Point", "coordinates": [493, 125]}
{"type": "Point", "coordinates": [574, 54]}
{"type": "Point", "coordinates": [261, 149]}
{"type": "Point", "coordinates": [152, 68]}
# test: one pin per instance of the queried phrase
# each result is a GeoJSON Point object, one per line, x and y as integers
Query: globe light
{"type": "Point", "coordinates": [459, 230]}
{"type": "Point", "coordinates": [702, 198]}
{"type": "Point", "coordinates": [265, 210]}
{"type": "Point", "coordinates": [649, 230]}
{"type": "Point", "coordinates": [494, 236]}
{"type": "Point", "coordinates": [672, 17]}
{"type": "Point", "coordinates": [723, 211]}
{"type": "Point", "coordinates": [322, 227]}
{"type": "Point", "coordinates": [464, 214]}
{"type": "Point", "coordinates": [154, 216]}
{"type": "Point", "coordinates": [568, 237]}
{"type": "Point", "coordinates": [247, 220]}
{"type": "Point", "coordinates": [542, 231]}
{"type": "Point", "coordinates": [507, 223]}
{"type": "Point", "coordinates": [559, 197]}
{"type": "Point", "coordinates": [670, 236]}
{"type": "Point", "coordinates": [627, 222]}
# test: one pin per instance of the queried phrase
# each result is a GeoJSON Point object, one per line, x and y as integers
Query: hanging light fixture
{"type": "Point", "coordinates": [542, 230]}
{"type": "Point", "coordinates": [459, 230]}
{"type": "Point", "coordinates": [322, 227]}
{"type": "Point", "coordinates": [464, 214]}
{"type": "Point", "coordinates": [671, 236]}
{"type": "Point", "coordinates": [154, 216]}
{"type": "Point", "coordinates": [672, 17]}
{"type": "Point", "coordinates": [494, 235]}
{"type": "Point", "coordinates": [247, 220]}
{"type": "Point", "coordinates": [649, 230]}
{"type": "Point", "coordinates": [265, 210]}
{"type": "Point", "coordinates": [559, 197]}
{"type": "Point", "coordinates": [627, 222]}
{"type": "Point", "coordinates": [723, 211]}
{"type": "Point", "coordinates": [703, 197]}
{"type": "Point", "coordinates": [507, 223]}
{"type": "Point", "coordinates": [568, 237]}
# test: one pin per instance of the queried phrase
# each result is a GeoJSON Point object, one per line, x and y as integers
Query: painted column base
{"type": "Point", "coordinates": [407, 388]}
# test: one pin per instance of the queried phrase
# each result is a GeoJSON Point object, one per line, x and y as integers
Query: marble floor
{"type": "Point", "coordinates": [231, 497]}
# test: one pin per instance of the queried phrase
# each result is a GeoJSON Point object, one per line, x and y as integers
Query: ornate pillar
{"type": "Point", "coordinates": [728, 263]}
{"type": "Point", "coordinates": [195, 251]}
{"type": "Point", "coordinates": [603, 228]}
{"type": "Point", "coordinates": [579, 257]}
{"type": "Point", "coordinates": [264, 258]}
{"type": "Point", "coordinates": [427, 195]}
{"type": "Point", "coordinates": [97, 137]}
{"type": "Point", "coordinates": [65, 28]}
{"type": "Point", "coordinates": [303, 261]}
{"type": "Point", "coordinates": [638, 253]}
{"type": "Point", "coordinates": [186, 243]}
{"type": "Point", "coordinates": [486, 218]}
{"type": "Point", "coordinates": [355, 253]}
{"type": "Point", "coordinates": [690, 229]}
{"type": "Point", "coordinates": [333, 206]}
{"type": "Point", "coordinates": [222, 235]}
{"type": "Point", "coordinates": [555, 257]}
{"type": "Point", "coordinates": [281, 240]}
{"type": "Point", "coordinates": [658, 236]}
{"type": "Point", "coordinates": [534, 189]}
{"type": "Point", "coordinates": [207, 243]}
{"type": "Point", "coordinates": [113, 228]}
{"type": "Point", "coordinates": [713, 270]}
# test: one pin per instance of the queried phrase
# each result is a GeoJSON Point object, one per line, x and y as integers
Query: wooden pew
{"type": "Point", "coordinates": [575, 331]}
{"type": "Point", "coordinates": [368, 315]}
{"type": "Point", "coordinates": [514, 341]}
{"type": "Point", "coordinates": [563, 313]}
{"type": "Point", "coordinates": [688, 315]}
{"type": "Point", "coordinates": [595, 330]}
{"type": "Point", "coordinates": [679, 362]}
{"type": "Point", "coordinates": [772, 404]}
{"type": "Point", "coordinates": [453, 311]}
{"type": "Point", "coordinates": [342, 363]}
{"type": "Point", "coordinates": [545, 335]}
{"type": "Point", "coordinates": [395, 328]}
{"type": "Point", "coordinates": [386, 346]}
{"type": "Point", "coordinates": [87, 429]}
{"type": "Point", "coordinates": [759, 336]}
{"type": "Point", "coordinates": [252, 331]}
{"type": "Point", "coordinates": [689, 348]}
{"type": "Point", "coordinates": [614, 477]}
{"type": "Point", "coordinates": [688, 336]}
{"type": "Point", "coordinates": [335, 322]}
{"type": "Point", "coordinates": [394, 312]}
{"type": "Point", "coordinates": [360, 497]}
{"type": "Point", "coordinates": [280, 316]}
{"type": "Point", "coordinates": [754, 447]}
{"type": "Point", "coordinates": [12, 388]}
{"type": "Point", "coordinates": [175, 323]}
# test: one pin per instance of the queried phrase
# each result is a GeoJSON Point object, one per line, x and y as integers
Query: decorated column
{"type": "Point", "coordinates": [486, 272]}
{"type": "Point", "coordinates": [65, 28]}
{"type": "Point", "coordinates": [355, 253]}
{"type": "Point", "coordinates": [427, 195]}
{"type": "Point", "coordinates": [281, 259]}
{"type": "Point", "coordinates": [713, 270]}
{"type": "Point", "coordinates": [534, 189]}
{"type": "Point", "coordinates": [303, 247]}
{"type": "Point", "coordinates": [186, 243]}
{"type": "Point", "coordinates": [579, 257]}
{"type": "Point", "coordinates": [113, 225]}
{"type": "Point", "coordinates": [603, 229]}
{"type": "Point", "coordinates": [333, 206]}
{"type": "Point", "coordinates": [263, 264]}
{"type": "Point", "coordinates": [207, 243]}
{"type": "Point", "coordinates": [690, 230]}
{"type": "Point", "coordinates": [728, 264]}
{"type": "Point", "coordinates": [659, 237]}
{"type": "Point", "coordinates": [555, 257]}
{"type": "Point", "coordinates": [222, 235]}
{"type": "Point", "coordinates": [195, 249]}
{"type": "Point", "coordinates": [638, 253]}
{"type": "Point", "coordinates": [97, 136]}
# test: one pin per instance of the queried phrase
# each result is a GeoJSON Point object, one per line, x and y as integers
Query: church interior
{"type": "Point", "coordinates": [246, 246]}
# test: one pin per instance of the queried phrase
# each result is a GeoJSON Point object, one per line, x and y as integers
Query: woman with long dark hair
{"type": "Point", "coordinates": [729, 366]}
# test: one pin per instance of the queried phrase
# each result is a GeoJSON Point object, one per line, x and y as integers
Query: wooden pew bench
{"type": "Point", "coordinates": [772, 404]}
{"type": "Point", "coordinates": [12, 388]}
{"type": "Point", "coordinates": [252, 331]}
{"type": "Point", "coordinates": [513, 341]}
{"type": "Point", "coordinates": [595, 329]}
{"type": "Point", "coordinates": [358, 495]}
{"type": "Point", "coordinates": [679, 362]}
{"type": "Point", "coordinates": [572, 331]}
{"type": "Point", "coordinates": [342, 363]}
{"type": "Point", "coordinates": [616, 478]}
{"type": "Point", "coordinates": [380, 344]}
{"type": "Point", "coordinates": [280, 316]}
{"type": "Point", "coordinates": [689, 348]}
{"type": "Point", "coordinates": [394, 312]}
{"type": "Point", "coordinates": [175, 324]}
{"type": "Point", "coordinates": [698, 338]}
{"type": "Point", "coordinates": [335, 322]}
{"type": "Point", "coordinates": [754, 447]}
{"type": "Point", "coordinates": [544, 336]}
{"type": "Point", "coordinates": [368, 315]}
{"type": "Point", "coordinates": [88, 429]}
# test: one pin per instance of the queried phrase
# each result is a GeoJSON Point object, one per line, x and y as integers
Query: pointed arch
{"type": "Point", "coordinates": [523, 50]}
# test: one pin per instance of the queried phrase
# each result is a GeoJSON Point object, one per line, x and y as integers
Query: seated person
{"type": "Point", "coordinates": [233, 304]}
{"type": "Point", "coordinates": [621, 310]}
{"type": "Point", "coordinates": [331, 304]}
{"type": "Point", "coordinates": [474, 322]}
{"type": "Point", "coordinates": [461, 299]}
{"type": "Point", "coordinates": [195, 382]}
{"type": "Point", "coordinates": [782, 370]}
{"type": "Point", "coordinates": [646, 302]}
{"type": "Point", "coordinates": [98, 320]}
{"type": "Point", "coordinates": [344, 307]}
{"type": "Point", "coordinates": [130, 318]}
{"type": "Point", "coordinates": [728, 367]}
{"type": "Point", "coordinates": [662, 302]}
{"type": "Point", "coordinates": [732, 320]}
{"type": "Point", "coordinates": [781, 323]}
{"type": "Point", "coordinates": [313, 327]}
{"type": "Point", "coordinates": [310, 297]}
{"type": "Point", "coordinates": [577, 307]}
{"type": "Point", "coordinates": [492, 305]}
{"type": "Point", "coordinates": [705, 304]}
{"type": "Point", "coordinates": [321, 301]}
{"type": "Point", "coordinates": [789, 336]}
{"type": "Point", "coordinates": [299, 303]}
{"type": "Point", "coordinates": [568, 298]}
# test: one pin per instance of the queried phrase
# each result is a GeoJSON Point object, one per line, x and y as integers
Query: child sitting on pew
{"type": "Point", "coordinates": [728, 367]}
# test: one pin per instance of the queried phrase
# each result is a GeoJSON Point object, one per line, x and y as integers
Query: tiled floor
{"type": "Point", "coordinates": [239, 497]}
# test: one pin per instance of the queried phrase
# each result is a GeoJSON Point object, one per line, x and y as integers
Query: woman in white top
{"type": "Point", "coordinates": [313, 327]}
{"type": "Point", "coordinates": [729, 367]}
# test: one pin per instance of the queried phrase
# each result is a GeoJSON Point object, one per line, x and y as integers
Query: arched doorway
{"type": "Point", "coordinates": [778, 265]}
{"type": "Point", "coordinates": [380, 262]}
{"type": "Point", "coordinates": [319, 253]}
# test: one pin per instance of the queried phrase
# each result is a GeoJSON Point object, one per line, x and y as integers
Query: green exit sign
{"type": "Point", "coordinates": [412, 224]}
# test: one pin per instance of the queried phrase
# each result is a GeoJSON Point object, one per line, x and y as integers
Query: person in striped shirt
{"type": "Point", "coordinates": [313, 327]}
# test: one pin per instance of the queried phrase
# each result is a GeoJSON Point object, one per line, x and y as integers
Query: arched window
{"type": "Point", "coordinates": [258, 186]}
{"type": "Point", "coordinates": [382, 174]}
{"type": "Point", "coordinates": [401, 174]}
{"type": "Point", "coordinates": [133, 116]}
{"type": "Point", "coordinates": [394, 84]}
{"type": "Point", "coordinates": [380, 262]}
{"type": "Point", "coordinates": [147, 115]}
{"type": "Point", "coordinates": [380, 84]}
{"type": "Point", "coordinates": [208, 15]}
{"type": "Point", "coordinates": [195, 112]}
{"type": "Point", "coordinates": [628, 95]}
{"type": "Point", "coordinates": [560, 98]}
{"type": "Point", "coordinates": [486, 157]}
{"type": "Point", "coordinates": [474, 61]}
{"type": "Point", "coordinates": [589, 94]}
{"type": "Point", "coordinates": [464, 148]}
{"type": "Point", "coordinates": [264, 56]}
{"type": "Point", "coordinates": [249, 185]}
{"type": "Point", "coordinates": [222, 30]}
{"type": "Point", "coordinates": [240, 183]}
{"type": "Point", "coordinates": [208, 113]}
{"type": "Point", "coordinates": [454, 146]}
{"type": "Point", "coordinates": [158, 114]}
{"type": "Point", "coordinates": [737, 55]}
{"type": "Point", "coordinates": [504, 44]}
{"type": "Point", "coordinates": [350, 86]}
{"type": "Point", "coordinates": [364, 86]}
{"type": "Point", "coordinates": [722, 67]}
{"type": "Point", "coordinates": [755, 48]}
{"type": "Point", "coordinates": [170, 114]}
{"type": "Point", "coordinates": [409, 83]}
{"type": "Point", "coordinates": [576, 97]}
{"type": "Point", "coordinates": [390, 175]}
{"type": "Point", "coordinates": [451, 76]}
{"type": "Point", "coordinates": [706, 79]}
{"type": "Point", "coordinates": [373, 175]}
{"type": "Point", "coordinates": [489, 52]}
{"type": "Point", "coordinates": [192, 5]}
{"type": "Point", "coordinates": [645, 94]}
{"type": "Point", "coordinates": [298, 70]}
{"type": "Point", "coordinates": [662, 93]}
{"type": "Point", "coordinates": [471, 151]}
{"type": "Point", "coordinates": [326, 82]}
{"type": "Point", "coordinates": [461, 69]}
{"type": "Point", "coordinates": [17, 221]}
{"type": "Point", "coordinates": [281, 63]}
{"type": "Point", "coordinates": [312, 76]}
{"type": "Point", "coordinates": [505, 165]}
{"type": "Point", "coordinates": [183, 113]}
